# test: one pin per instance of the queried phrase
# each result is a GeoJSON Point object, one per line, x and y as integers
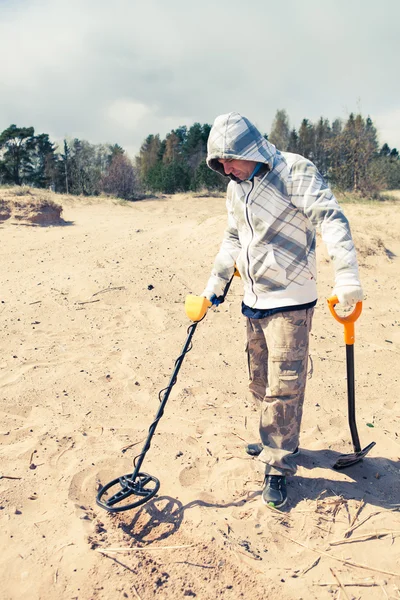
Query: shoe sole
{"type": "Point", "coordinates": [272, 504]}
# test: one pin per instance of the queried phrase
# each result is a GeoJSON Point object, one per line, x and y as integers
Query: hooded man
{"type": "Point", "coordinates": [275, 202]}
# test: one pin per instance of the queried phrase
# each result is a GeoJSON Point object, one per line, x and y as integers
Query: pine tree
{"type": "Point", "coordinates": [16, 144]}
{"type": "Point", "coordinates": [307, 139]}
{"type": "Point", "coordinates": [280, 131]}
{"type": "Point", "coordinates": [293, 145]}
{"type": "Point", "coordinates": [321, 139]}
{"type": "Point", "coordinates": [43, 162]}
{"type": "Point", "coordinates": [195, 147]}
{"type": "Point", "coordinates": [206, 179]}
{"type": "Point", "coordinates": [148, 157]}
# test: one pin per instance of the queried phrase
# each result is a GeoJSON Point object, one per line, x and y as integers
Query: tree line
{"type": "Point", "coordinates": [346, 152]}
{"type": "Point", "coordinates": [78, 167]}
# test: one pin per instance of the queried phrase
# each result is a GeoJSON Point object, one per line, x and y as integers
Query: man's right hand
{"type": "Point", "coordinates": [212, 297]}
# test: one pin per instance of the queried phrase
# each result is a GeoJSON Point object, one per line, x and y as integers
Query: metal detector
{"type": "Point", "coordinates": [143, 486]}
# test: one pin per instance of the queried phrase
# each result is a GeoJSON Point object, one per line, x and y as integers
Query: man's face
{"type": "Point", "coordinates": [242, 169]}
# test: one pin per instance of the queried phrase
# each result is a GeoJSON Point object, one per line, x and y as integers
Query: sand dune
{"type": "Point", "coordinates": [92, 321]}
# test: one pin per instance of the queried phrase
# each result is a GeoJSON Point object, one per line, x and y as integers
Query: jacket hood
{"type": "Point", "coordinates": [234, 136]}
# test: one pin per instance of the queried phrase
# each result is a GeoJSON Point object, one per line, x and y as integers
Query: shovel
{"type": "Point", "coordinates": [346, 460]}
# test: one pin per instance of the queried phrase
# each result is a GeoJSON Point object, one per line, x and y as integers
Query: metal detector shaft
{"type": "Point", "coordinates": [160, 412]}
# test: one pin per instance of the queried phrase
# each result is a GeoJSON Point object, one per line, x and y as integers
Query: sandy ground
{"type": "Point", "coordinates": [92, 320]}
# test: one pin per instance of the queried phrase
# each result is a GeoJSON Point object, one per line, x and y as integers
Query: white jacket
{"type": "Point", "coordinates": [272, 221]}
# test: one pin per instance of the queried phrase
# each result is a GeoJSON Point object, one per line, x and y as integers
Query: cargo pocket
{"type": "Point", "coordinates": [287, 369]}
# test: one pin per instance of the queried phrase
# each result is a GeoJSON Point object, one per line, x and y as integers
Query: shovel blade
{"type": "Point", "coordinates": [346, 460]}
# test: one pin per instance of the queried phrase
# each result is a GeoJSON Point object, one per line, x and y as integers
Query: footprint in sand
{"type": "Point", "coordinates": [192, 476]}
{"type": "Point", "coordinates": [85, 484]}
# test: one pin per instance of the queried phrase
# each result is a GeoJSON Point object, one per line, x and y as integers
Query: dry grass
{"type": "Point", "coordinates": [393, 195]}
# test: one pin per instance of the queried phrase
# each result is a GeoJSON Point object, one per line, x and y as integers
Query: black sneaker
{"type": "Point", "coordinates": [256, 449]}
{"type": "Point", "coordinates": [274, 492]}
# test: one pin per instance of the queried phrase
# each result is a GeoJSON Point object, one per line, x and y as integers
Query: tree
{"type": "Point", "coordinates": [205, 178]}
{"type": "Point", "coordinates": [15, 146]}
{"type": "Point", "coordinates": [120, 178]}
{"type": "Point", "coordinates": [385, 150]}
{"type": "Point", "coordinates": [353, 149]}
{"type": "Point", "coordinates": [293, 145]}
{"type": "Point", "coordinates": [43, 162]}
{"type": "Point", "coordinates": [65, 166]}
{"type": "Point", "coordinates": [148, 157]}
{"type": "Point", "coordinates": [322, 134]}
{"type": "Point", "coordinates": [175, 178]}
{"type": "Point", "coordinates": [172, 148]}
{"type": "Point", "coordinates": [85, 170]}
{"type": "Point", "coordinates": [280, 130]}
{"type": "Point", "coordinates": [307, 139]}
{"type": "Point", "coordinates": [195, 147]}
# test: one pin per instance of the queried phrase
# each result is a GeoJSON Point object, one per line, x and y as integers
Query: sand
{"type": "Point", "coordinates": [92, 317]}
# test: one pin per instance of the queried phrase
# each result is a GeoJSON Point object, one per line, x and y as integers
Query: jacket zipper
{"type": "Point", "coordinates": [248, 221]}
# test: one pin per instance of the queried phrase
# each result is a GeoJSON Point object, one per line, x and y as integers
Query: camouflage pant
{"type": "Point", "coordinates": [277, 351]}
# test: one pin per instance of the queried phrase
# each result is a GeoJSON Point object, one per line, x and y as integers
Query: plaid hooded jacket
{"type": "Point", "coordinates": [272, 221]}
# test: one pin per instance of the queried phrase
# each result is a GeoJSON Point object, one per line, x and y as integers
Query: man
{"type": "Point", "coordinates": [275, 202]}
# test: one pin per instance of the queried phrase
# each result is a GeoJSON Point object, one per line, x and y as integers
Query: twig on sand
{"type": "Point", "coordinates": [361, 584]}
{"type": "Point", "coordinates": [109, 289]}
{"type": "Point", "coordinates": [134, 549]}
{"type": "Point", "coordinates": [342, 560]}
{"type": "Point", "coordinates": [30, 459]}
{"type": "Point", "coordinates": [364, 538]}
{"type": "Point", "coordinates": [239, 436]}
{"type": "Point", "coordinates": [351, 529]}
{"type": "Point", "coordinates": [339, 583]}
{"type": "Point", "coordinates": [125, 448]}
{"type": "Point", "coordinates": [88, 302]}
{"type": "Point", "coordinates": [359, 509]}
{"type": "Point", "coordinates": [186, 562]}
{"type": "Point", "coordinates": [136, 593]}
{"type": "Point", "coordinates": [384, 591]}
{"type": "Point", "coordinates": [311, 566]}
{"type": "Point", "coordinates": [65, 546]}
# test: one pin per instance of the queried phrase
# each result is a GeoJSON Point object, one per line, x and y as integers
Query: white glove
{"type": "Point", "coordinates": [348, 294]}
{"type": "Point", "coordinates": [214, 288]}
{"type": "Point", "coordinates": [207, 293]}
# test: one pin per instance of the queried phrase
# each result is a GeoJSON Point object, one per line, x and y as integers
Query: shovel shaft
{"type": "Point", "coordinates": [351, 397]}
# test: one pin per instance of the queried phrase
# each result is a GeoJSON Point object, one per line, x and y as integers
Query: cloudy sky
{"type": "Point", "coordinates": [115, 71]}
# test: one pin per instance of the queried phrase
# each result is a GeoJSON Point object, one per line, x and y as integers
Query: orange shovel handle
{"type": "Point", "coordinates": [348, 321]}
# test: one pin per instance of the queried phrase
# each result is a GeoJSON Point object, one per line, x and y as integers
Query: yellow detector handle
{"type": "Point", "coordinates": [348, 321]}
{"type": "Point", "coordinates": [196, 307]}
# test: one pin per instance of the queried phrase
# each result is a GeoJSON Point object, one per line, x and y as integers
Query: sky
{"type": "Point", "coordinates": [116, 71]}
